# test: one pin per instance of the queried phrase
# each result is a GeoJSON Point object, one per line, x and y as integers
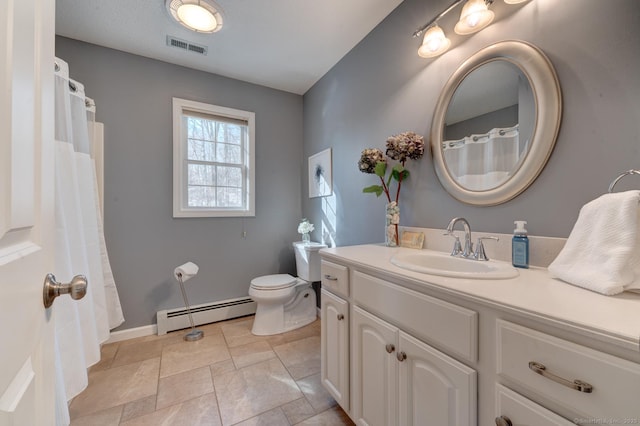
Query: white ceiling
{"type": "Point", "coordinates": [283, 44]}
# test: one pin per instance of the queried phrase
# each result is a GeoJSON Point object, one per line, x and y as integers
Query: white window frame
{"type": "Point", "coordinates": [180, 188]}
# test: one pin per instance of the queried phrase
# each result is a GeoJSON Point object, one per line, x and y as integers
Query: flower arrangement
{"type": "Point", "coordinates": [402, 147]}
{"type": "Point", "coordinates": [304, 228]}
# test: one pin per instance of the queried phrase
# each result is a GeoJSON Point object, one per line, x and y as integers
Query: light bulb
{"type": "Point", "coordinates": [475, 16]}
{"type": "Point", "coordinates": [197, 17]}
{"type": "Point", "coordinates": [434, 43]}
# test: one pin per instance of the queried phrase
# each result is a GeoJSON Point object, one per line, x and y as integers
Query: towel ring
{"type": "Point", "coordinates": [628, 172]}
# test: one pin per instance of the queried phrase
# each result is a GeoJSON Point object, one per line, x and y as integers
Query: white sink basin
{"type": "Point", "coordinates": [437, 263]}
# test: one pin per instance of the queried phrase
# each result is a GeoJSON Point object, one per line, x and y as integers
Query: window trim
{"type": "Point", "coordinates": [180, 208]}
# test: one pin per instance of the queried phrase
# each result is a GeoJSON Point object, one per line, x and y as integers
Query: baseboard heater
{"type": "Point", "coordinates": [177, 319]}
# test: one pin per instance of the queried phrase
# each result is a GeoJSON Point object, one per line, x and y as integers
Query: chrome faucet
{"type": "Point", "coordinates": [458, 251]}
{"type": "Point", "coordinates": [468, 245]}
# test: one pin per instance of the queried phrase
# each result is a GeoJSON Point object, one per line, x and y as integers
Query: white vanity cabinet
{"type": "Point", "coordinates": [414, 349]}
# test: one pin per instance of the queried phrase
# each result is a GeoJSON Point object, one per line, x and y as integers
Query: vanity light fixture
{"type": "Point", "coordinates": [475, 16]}
{"type": "Point", "coordinates": [434, 43]}
{"type": "Point", "coordinates": [201, 16]}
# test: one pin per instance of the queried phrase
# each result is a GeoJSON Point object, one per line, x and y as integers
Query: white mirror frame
{"type": "Point", "coordinates": [546, 92]}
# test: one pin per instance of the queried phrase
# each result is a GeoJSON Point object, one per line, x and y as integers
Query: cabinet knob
{"type": "Point", "coordinates": [340, 317]}
{"type": "Point", "coordinates": [503, 421]}
{"type": "Point", "coordinates": [401, 356]}
{"type": "Point", "coordinates": [390, 348]}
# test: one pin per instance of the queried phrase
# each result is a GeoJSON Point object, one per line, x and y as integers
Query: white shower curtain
{"type": "Point", "coordinates": [484, 161]}
{"type": "Point", "coordinates": [81, 326]}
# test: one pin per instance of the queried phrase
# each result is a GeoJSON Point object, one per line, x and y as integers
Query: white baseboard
{"type": "Point", "coordinates": [146, 330]}
{"type": "Point", "coordinates": [132, 333]}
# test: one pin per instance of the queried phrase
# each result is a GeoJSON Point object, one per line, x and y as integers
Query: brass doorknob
{"type": "Point", "coordinates": [77, 288]}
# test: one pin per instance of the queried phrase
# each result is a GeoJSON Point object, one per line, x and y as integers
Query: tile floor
{"type": "Point", "coordinates": [230, 377]}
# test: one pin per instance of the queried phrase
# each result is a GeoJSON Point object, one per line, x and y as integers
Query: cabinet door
{"type": "Point", "coordinates": [335, 347]}
{"type": "Point", "coordinates": [374, 370]}
{"type": "Point", "coordinates": [434, 389]}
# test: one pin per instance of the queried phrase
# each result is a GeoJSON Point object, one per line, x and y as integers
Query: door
{"type": "Point", "coordinates": [335, 347]}
{"type": "Point", "coordinates": [375, 370]}
{"type": "Point", "coordinates": [26, 210]}
{"type": "Point", "coordinates": [434, 389]}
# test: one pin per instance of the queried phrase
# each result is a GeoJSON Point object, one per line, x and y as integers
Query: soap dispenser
{"type": "Point", "coordinates": [520, 245]}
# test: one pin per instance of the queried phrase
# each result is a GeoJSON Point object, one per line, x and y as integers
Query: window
{"type": "Point", "coordinates": [213, 160]}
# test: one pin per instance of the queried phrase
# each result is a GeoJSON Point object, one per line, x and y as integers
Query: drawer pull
{"type": "Point", "coordinates": [340, 317]}
{"type": "Point", "coordinates": [578, 385]}
{"type": "Point", "coordinates": [330, 278]}
{"type": "Point", "coordinates": [503, 421]}
{"type": "Point", "coordinates": [390, 348]}
{"type": "Point", "coordinates": [401, 356]}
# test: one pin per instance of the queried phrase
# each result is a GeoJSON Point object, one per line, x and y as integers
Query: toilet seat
{"type": "Point", "coordinates": [273, 282]}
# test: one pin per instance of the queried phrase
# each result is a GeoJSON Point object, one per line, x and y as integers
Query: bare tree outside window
{"type": "Point", "coordinates": [215, 167]}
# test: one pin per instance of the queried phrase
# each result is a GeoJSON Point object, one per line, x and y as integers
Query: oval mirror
{"type": "Point", "coordinates": [495, 123]}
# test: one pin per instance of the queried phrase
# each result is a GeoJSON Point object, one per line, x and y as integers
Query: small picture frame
{"type": "Point", "coordinates": [320, 174]}
{"type": "Point", "coordinates": [414, 240]}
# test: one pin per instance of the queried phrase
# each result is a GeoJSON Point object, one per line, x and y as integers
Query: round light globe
{"type": "Point", "coordinates": [197, 17]}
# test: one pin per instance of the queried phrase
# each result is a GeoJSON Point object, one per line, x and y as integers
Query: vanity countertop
{"type": "Point", "coordinates": [611, 319]}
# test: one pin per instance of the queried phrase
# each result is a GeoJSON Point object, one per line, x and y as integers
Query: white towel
{"type": "Point", "coordinates": [188, 271]}
{"type": "Point", "coordinates": [602, 252]}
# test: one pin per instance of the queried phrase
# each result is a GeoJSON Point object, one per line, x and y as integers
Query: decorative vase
{"type": "Point", "coordinates": [306, 238]}
{"type": "Point", "coordinates": [392, 218]}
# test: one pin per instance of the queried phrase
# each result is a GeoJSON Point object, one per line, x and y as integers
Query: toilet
{"type": "Point", "coordinates": [285, 302]}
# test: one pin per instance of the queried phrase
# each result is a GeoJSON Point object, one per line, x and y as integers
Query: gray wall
{"type": "Point", "coordinates": [133, 96]}
{"type": "Point", "coordinates": [382, 88]}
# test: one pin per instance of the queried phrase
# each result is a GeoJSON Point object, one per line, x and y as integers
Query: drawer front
{"type": "Point", "coordinates": [523, 412]}
{"type": "Point", "coordinates": [615, 382]}
{"type": "Point", "coordinates": [449, 327]}
{"type": "Point", "coordinates": [335, 278]}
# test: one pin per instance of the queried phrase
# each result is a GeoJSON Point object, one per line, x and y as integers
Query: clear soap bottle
{"type": "Point", "coordinates": [520, 245]}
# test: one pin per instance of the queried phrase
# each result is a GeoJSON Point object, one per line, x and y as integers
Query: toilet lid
{"type": "Point", "coordinates": [273, 282]}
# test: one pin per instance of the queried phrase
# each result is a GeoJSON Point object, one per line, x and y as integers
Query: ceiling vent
{"type": "Point", "coordinates": [185, 45]}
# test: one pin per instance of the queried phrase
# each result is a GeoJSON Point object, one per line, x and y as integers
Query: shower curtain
{"type": "Point", "coordinates": [484, 161]}
{"type": "Point", "coordinates": [82, 325]}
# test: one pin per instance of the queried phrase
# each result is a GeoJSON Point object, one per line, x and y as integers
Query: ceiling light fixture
{"type": "Point", "coordinates": [475, 16]}
{"type": "Point", "coordinates": [202, 16]}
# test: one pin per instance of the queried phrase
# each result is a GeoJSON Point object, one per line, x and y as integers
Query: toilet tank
{"type": "Point", "coordinates": [308, 260]}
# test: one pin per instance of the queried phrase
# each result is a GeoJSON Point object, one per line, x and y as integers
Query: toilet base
{"type": "Point", "coordinates": [275, 319]}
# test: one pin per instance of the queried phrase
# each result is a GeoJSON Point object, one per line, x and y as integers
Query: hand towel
{"type": "Point", "coordinates": [188, 271]}
{"type": "Point", "coordinates": [603, 248]}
